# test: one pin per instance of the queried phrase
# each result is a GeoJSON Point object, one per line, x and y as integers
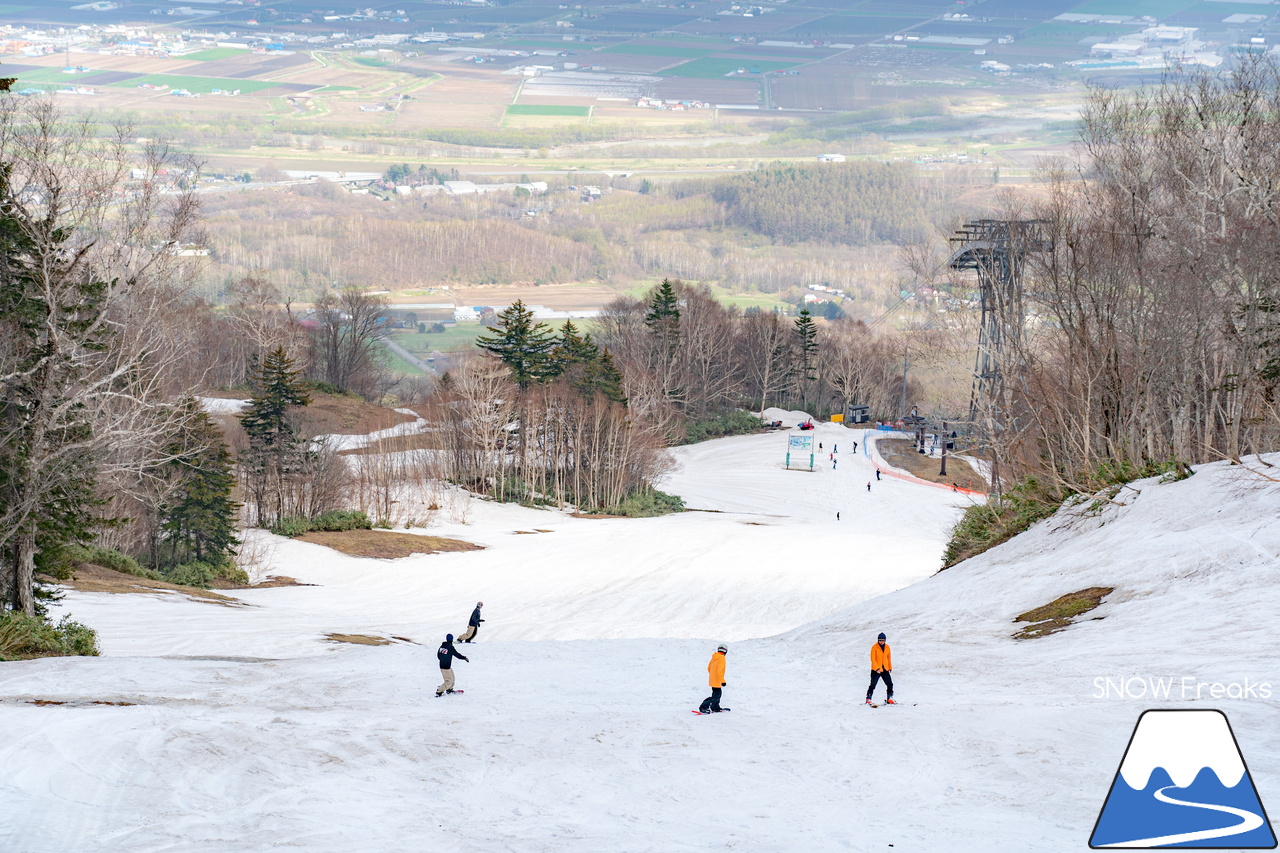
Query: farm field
{"type": "Point", "coordinates": [659, 50]}
{"type": "Point", "coordinates": [214, 53]}
{"type": "Point", "coordinates": [201, 85]}
{"type": "Point", "coordinates": [547, 110]}
{"type": "Point", "coordinates": [722, 67]}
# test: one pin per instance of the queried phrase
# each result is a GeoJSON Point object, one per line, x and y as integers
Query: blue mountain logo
{"type": "Point", "coordinates": [1183, 783]}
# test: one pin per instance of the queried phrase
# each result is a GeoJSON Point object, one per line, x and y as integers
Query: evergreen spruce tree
{"type": "Point", "coordinates": [805, 335]}
{"type": "Point", "coordinates": [522, 344]}
{"type": "Point", "coordinates": [570, 350]}
{"type": "Point", "coordinates": [664, 315]}
{"type": "Point", "coordinates": [587, 368]}
{"type": "Point", "coordinates": [274, 451]}
{"type": "Point", "coordinates": [199, 521]}
{"type": "Point", "coordinates": [606, 379]}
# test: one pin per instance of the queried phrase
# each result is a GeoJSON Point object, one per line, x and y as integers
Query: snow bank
{"type": "Point", "coordinates": [789, 419]}
{"type": "Point", "coordinates": [222, 406]}
{"type": "Point", "coordinates": [340, 442]}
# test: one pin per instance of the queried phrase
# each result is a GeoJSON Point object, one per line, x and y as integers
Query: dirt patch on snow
{"type": "Point", "coordinates": [901, 453]}
{"type": "Point", "coordinates": [342, 415]}
{"type": "Point", "coordinates": [385, 544]}
{"type": "Point", "coordinates": [358, 639]}
{"type": "Point", "coordinates": [91, 578]}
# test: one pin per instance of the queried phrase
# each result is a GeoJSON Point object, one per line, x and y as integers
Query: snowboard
{"type": "Point", "coordinates": [709, 713]}
{"type": "Point", "coordinates": [438, 695]}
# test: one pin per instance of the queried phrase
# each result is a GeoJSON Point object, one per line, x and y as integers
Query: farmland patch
{"type": "Point", "coordinates": [659, 50]}
{"type": "Point", "coordinates": [199, 85]}
{"type": "Point", "coordinates": [214, 53]}
{"type": "Point", "coordinates": [722, 67]}
{"type": "Point", "coordinates": [1158, 9]}
{"type": "Point", "coordinates": [634, 22]}
{"type": "Point", "coordinates": [854, 25]}
{"type": "Point", "coordinates": [547, 110]}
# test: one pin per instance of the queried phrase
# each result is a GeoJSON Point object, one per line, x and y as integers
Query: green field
{"type": "Point", "coordinates": [547, 110]}
{"type": "Point", "coordinates": [214, 53]}
{"type": "Point", "coordinates": [712, 66]}
{"type": "Point", "coordinates": [200, 85]}
{"type": "Point", "coordinates": [1158, 9]}
{"type": "Point", "coordinates": [370, 62]}
{"type": "Point", "coordinates": [396, 363]}
{"type": "Point", "coordinates": [459, 338]}
{"type": "Point", "coordinates": [659, 50]}
{"type": "Point", "coordinates": [54, 75]}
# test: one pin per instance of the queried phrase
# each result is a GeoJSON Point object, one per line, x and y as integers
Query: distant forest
{"type": "Point", "coordinates": [856, 204]}
{"type": "Point", "coordinates": [774, 230]}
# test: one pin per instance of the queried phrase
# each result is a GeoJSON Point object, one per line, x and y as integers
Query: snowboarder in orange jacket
{"type": "Point", "coordinates": [715, 677]}
{"type": "Point", "coordinates": [881, 667]}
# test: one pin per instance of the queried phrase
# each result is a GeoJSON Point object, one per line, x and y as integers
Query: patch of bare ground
{"type": "Point", "coordinates": [271, 582]}
{"type": "Point", "coordinates": [385, 544]}
{"type": "Point", "coordinates": [358, 639]}
{"type": "Point", "coordinates": [396, 444]}
{"type": "Point", "coordinates": [1061, 612]}
{"type": "Point", "coordinates": [345, 415]}
{"type": "Point", "coordinates": [43, 702]}
{"type": "Point", "coordinates": [90, 578]}
{"type": "Point", "coordinates": [901, 453]}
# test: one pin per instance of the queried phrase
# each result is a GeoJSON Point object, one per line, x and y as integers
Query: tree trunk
{"type": "Point", "coordinates": [24, 571]}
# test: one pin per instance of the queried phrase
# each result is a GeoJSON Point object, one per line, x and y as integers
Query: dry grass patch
{"type": "Point", "coordinates": [358, 639]}
{"type": "Point", "coordinates": [1061, 612]}
{"type": "Point", "coordinates": [900, 453]}
{"type": "Point", "coordinates": [329, 413]}
{"type": "Point", "coordinates": [398, 443]}
{"type": "Point", "coordinates": [384, 544]}
{"type": "Point", "coordinates": [90, 578]}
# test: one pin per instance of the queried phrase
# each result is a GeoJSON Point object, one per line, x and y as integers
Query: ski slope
{"type": "Point", "coordinates": [767, 555]}
{"type": "Point", "coordinates": [575, 733]}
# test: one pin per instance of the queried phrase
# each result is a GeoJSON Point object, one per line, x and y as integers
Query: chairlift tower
{"type": "Point", "coordinates": [997, 249]}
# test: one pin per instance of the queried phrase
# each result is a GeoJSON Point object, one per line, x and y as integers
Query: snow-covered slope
{"type": "Point", "coordinates": [588, 745]}
{"type": "Point", "coordinates": [767, 555]}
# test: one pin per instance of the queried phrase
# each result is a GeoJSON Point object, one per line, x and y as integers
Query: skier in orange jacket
{"type": "Point", "coordinates": [715, 677]}
{"type": "Point", "coordinates": [881, 667]}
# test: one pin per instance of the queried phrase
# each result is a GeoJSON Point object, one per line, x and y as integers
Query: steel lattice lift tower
{"type": "Point", "coordinates": [996, 249]}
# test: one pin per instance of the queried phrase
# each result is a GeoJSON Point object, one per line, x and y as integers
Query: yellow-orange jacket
{"type": "Point", "coordinates": [881, 659]}
{"type": "Point", "coordinates": [715, 670]}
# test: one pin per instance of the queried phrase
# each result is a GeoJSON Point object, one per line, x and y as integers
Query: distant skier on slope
{"type": "Point", "coordinates": [473, 624]}
{"type": "Point", "coordinates": [881, 667]}
{"type": "Point", "coordinates": [855, 447]}
{"type": "Point", "coordinates": [445, 654]}
{"type": "Point", "coordinates": [877, 473]}
{"type": "Point", "coordinates": [715, 677]}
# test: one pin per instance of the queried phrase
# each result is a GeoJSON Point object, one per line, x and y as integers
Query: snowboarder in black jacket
{"type": "Point", "coordinates": [473, 624]}
{"type": "Point", "coordinates": [445, 654]}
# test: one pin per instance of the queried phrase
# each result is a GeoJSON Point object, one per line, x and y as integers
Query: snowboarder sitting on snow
{"type": "Point", "coordinates": [473, 624]}
{"type": "Point", "coordinates": [881, 666]}
{"type": "Point", "coordinates": [715, 677]}
{"type": "Point", "coordinates": [445, 654]}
